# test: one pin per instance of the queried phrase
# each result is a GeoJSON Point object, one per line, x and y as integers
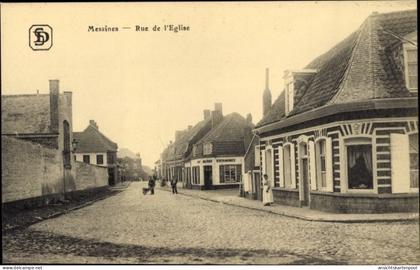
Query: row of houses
{"type": "Point", "coordinates": [341, 137]}
{"type": "Point", "coordinates": [42, 158]}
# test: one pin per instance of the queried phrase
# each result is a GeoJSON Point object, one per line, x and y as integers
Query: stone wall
{"type": "Point", "coordinates": [90, 176]}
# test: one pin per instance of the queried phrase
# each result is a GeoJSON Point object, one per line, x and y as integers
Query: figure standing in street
{"type": "Point", "coordinates": [267, 191]}
{"type": "Point", "coordinates": [152, 184]}
{"type": "Point", "coordinates": [174, 181]}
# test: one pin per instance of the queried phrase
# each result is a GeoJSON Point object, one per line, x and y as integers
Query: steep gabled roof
{"type": "Point", "coordinates": [231, 128]}
{"type": "Point", "coordinates": [91, 140]}
{"type": "Point", "coordinates": [358, 68]}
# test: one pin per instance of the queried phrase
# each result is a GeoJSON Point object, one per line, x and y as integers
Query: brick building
{"type": "Point", "coordinates": [93, 147]}
{"type": "Point", "coordinates": [36, 149]}
{"type": "Point", "coordinates": [343, 135]}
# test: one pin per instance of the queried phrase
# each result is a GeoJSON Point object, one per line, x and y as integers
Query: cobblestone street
{"type": "Point", "coordinates": [132, 228]}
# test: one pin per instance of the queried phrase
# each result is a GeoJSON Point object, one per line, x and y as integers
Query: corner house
{"type": "Point", "coordinates": [217, 158]}
{"type": "Point", "coordinates": [343, 137]}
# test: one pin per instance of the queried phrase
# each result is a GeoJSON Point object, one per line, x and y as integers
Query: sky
{"type": "Point", "coordinates": [140, 87]}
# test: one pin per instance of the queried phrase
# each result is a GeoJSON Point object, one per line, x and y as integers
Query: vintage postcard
{"type": "Point", "coordinates": [228, 133]}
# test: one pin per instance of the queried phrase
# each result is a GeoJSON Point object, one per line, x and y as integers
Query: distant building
{"type": "Point", "coordinates": [217, 159]}
{"type": "Point", "coordinates": [95, 148]}
{"type": "Point", "coordinates": [343, 135]}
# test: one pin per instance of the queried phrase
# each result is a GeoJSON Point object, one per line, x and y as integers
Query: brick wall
{"type": "Point", "coordinates": [29, 170]}
{"type": "Point", "coordinates": [32, 171]}
{"type": "Point", "coordinates": [89, 176]}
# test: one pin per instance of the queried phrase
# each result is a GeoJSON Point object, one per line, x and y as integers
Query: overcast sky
{"type": "Point", "coordinates": [142, 86]}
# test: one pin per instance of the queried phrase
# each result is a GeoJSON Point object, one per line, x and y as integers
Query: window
{"type": "Point", "coordinates": [411, 67]}
{"type": "Point", "coordinates": [359, 164]}
{"type": "Point", "coordinates": [287, 165]}
{"type": "Point", "coordinates": [99, 159]}
{"type": "Point", "coordinates": [289, 97]}
{"type": "Point", "coordinates": [321, 167]}
{"type": "Point", "coordinates": [230, 173]}
{"type": "Point", "coordinates": [257, 156]}
{"type": "Point", "coordinates": [86, 159]}
{"type": "Point", "coordinates": [196, 175]}
{"type": "Point", "coordinates": [111, 157]}
{"type": "Point", "coordinates": [207, 148]}
{"type": "Point", "coordinates": [414, 160]}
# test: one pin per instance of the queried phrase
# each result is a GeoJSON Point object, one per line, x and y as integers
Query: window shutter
{"type": "Point", "coordinates": [292, 165]}
{"type": "Point", "coordinates": [312, 164]}
{"type": "Point", "coordinates": [400, 163]}
{"type": "Point", "coordinates": [281, 168]}
{"type": "Point", "coordinates": [329, 164]}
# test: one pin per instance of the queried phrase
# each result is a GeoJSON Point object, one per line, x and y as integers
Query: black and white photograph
{"type": "Point", "coordinates": [280, 133]}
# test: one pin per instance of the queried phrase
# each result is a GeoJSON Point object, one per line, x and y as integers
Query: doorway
{"type": "Point", "coordinates": [208, 177]}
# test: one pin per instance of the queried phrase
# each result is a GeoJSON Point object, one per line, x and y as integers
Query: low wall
{"type": "Point", "coordinates": [90, 176]}
{"type": "Point", "coordinates": [286, 197]}
{"type": "Point", "coordinates": [364, 204]}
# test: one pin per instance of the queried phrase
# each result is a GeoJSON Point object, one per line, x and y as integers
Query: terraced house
{"type": "Point", "coordinates": [217, 159]}
{"type": "Point", "coordinates": [343, 135]}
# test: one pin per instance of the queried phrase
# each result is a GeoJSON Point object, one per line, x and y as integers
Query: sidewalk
{"type": "Point", "coordinates": [231, 197]}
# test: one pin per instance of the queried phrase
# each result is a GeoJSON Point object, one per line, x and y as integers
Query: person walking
{"type": "Point", "coordinates": [152, 184]}
{"type": "Point", "coordinates": [174, 181]}
{"type": "Point", "coordinates": [267, 191]}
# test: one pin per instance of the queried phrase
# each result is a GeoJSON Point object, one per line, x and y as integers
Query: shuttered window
{"type": "Point", "coordinates": [411, 68]}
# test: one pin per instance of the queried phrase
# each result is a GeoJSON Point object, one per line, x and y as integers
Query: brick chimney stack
{"type": "Point", "coordinates": [93, 124]}
{"type": "Point", "coordinates": [178, 134]}
{"type": "Point", "coordinates": [216, 115]}
{"type": "Point", "coordinates": [54, 103]}
{"type": "Point", "coordinates": [266, 94]}
{"type": "Point", "coordinates": [206, 114]}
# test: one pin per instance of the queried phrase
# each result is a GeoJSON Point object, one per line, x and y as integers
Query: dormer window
{"type": "Point", "coordinates": [410, 61]}
{"type": "Point", "coordinates": [410, 56]}
{"type": "Point", "coordinates": [207, 148]}
{"type": "Point", "coordinates": [290, 78]}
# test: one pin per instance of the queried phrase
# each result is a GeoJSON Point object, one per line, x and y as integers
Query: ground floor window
{"type": "Point", "coordinates": [359, 166]}
{"type": "Point", "coordinates": [321, 167]}
{"type": "Point", "coordinates": [287, 165]}
{"type": "Point", "coordinates": [230, 173]}
{"type": "Point", "coordinates": [196, 175]}
{"type": "Point", "coordinates": [414, 160]}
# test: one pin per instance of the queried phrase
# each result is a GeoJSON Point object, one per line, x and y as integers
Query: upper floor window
{"type": "Point", "coordinates": [86, 159]}
{"type": "Point", "coordinates": [99, 159]}
{"type": "Point", "coordinates": [289, 97]}
{"type": "Point", "coordinates": [410, 65]}
{"type": "Point", "coordinates": [207, 148]}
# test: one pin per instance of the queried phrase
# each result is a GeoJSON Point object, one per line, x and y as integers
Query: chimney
{"type": "Point", "coordinates": [54, 103]}
{"type": "Point", "coordinates": [218, 107]}
{"type": "Point", "coordinates": [93, 123]}
{"type": "Point", "coordinates": [266, 94]}
{"type": "Point", "coordinates": [249, 118]}
{"type": "Point", "coordinates": [207, 114]}
{"type": "Point", "coordinates": [178, 134]}
{"type": "Point", "coordinates": [189, 127]}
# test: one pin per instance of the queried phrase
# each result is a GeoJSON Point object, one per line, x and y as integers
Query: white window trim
{"type": "Point", "coordinates": [318, 164]}
{"type": "Point", "coordinates": [408, 46]}
{"type": "Point", "coordinates": [292, 166]}
{"type": "Point", "coordinates": [343, 164]}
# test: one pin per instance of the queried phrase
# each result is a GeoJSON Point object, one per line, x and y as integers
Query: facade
{"type": "Point", "coordinates": [217, 159]}
{"type": "Point", "coordinates": [95, 148]}
{"type": "Point", "coordinates": [343, 135]}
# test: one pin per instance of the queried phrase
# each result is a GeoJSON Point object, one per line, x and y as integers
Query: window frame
{"type": "Point", "coordinates": [409, 47]}
{"type": "Point", "coordinates": [97, 160]}
{"type": "Point", "coordinates": [411, 189]}
{"type": "Point", "coordinates": [357, 140]}
{"type": "Point", "coordinates": [87, 157]}
{"type": "Point", "coordinates": [226, 170]}
{"type": "Point", "coordinates": [288, 147]}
